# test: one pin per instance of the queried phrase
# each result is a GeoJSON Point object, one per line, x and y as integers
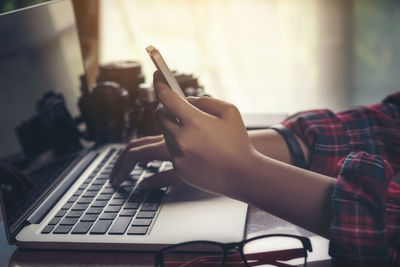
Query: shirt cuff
{"type": "Point", "coordinates": [358, 231]}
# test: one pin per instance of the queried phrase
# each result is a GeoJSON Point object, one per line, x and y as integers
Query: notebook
{"type": "Point", "coordinates": [67, 202]}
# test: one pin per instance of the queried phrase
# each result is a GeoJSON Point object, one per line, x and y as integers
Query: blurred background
{"type": "Point", "coordinates": [275, 56]}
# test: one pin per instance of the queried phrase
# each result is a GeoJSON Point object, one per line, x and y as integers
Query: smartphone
{"type": "Point", "coordinates": [163, 68]}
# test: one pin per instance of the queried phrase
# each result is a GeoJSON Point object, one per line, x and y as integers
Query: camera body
{"type": "Point", "coordinates": [121, 105]}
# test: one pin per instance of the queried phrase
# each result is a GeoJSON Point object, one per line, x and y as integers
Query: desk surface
{"type": "Point", "coordinates": [258, 222]}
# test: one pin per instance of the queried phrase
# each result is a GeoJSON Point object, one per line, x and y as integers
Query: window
{"type": "Point", "coordinates": [262, 55]}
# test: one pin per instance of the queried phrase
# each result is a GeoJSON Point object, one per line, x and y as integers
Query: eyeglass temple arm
{"type": "Point", "coordinates": [287, 254]}
{"type": "Point", "coordinates": [236, 260]}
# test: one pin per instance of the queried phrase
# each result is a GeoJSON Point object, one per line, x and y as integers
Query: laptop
{"type": "Point", "coordinates": [67, 202]}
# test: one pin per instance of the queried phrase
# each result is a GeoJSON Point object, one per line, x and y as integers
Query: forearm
{"type": "Point", "coordinates": [296, 195]}
{"type": "Point", "coordinates": [271, 144]}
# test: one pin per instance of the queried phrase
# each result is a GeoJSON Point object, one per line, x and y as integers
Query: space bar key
{"type": "Point", "coordinates": [120, 225]}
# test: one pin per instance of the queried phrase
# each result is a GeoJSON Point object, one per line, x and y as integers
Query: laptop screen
{"type": "Point", "coordinates": [39, 52]}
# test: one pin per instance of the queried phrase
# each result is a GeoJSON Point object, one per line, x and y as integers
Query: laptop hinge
{"type": "Point", "coordinates": [62, 187]}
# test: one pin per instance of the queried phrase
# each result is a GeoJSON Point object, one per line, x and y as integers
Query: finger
{"type": "Point", "coordinates": [171, 131]}
{"type": "Point", "coordinates": [132, 144]}
{"type": "Point", "coordinates": [167, 122]}
{"type": "Point", "coordinates": [161, 179]}
{"type": "Point", "coordinates": [172, 145]}
{"type": "Point", "coordinates": [158, 77]}
{"type": "Point", "coordinates": [178, 106]}
{"type": "Point", "coordinates": [134, 155]}
{"type": "Point", "coordinates": [212, 106]}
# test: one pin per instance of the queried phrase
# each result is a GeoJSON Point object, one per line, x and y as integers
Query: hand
{"type": "Point", "coordinates": [143, 150]}
{"type": "Point", "coordinates": [208, 142]}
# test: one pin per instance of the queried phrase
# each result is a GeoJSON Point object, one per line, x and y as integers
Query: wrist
{"type": "Point", "coordinates": [238, 175]}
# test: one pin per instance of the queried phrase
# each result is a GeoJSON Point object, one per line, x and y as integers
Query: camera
{"type": "Point", "coordinates": [52, 128]}
{"type": "Point", "coordinates": [121, 105]}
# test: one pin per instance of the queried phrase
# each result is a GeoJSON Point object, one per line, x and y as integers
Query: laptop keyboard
{"type": "Point", "coordinates": [98, 208]}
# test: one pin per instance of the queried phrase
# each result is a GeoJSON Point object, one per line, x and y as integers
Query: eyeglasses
{"type": "Point", "coordinates": [266, 250]}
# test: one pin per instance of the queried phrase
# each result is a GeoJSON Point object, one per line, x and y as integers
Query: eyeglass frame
{"type": "Point", "coordinates": [238, 246]}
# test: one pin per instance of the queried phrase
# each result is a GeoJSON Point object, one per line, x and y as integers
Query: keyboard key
{"type": "Point", "coordinates": [137, 230]}
{"type": "Point", "coordinates": [136, 172]}
{"type": "Point", "coordinates": [147, 174]}
{"type": "Point", "coordinates": [88, 180]}
{"type": "Point", "coordinates": [99, 182]}
{"type": "Point", "coordinates": [94, 188]}
{"type": "Point", "coordinates": [68, 221]}
{"type": "Point", "coordinates": [54, 221]}
{"type": "Point", "coordinates": [83, 186]}
{"type": "Point", "coordinates": [168, 166]}
{"type": "Point", "coordinates": [80, 206]}
{"type": "Point", "coordinates": [121, 195]}
{"type": "Point", "coordinates": [99, 203]}
{"type": "Point", "coordinates": [74, 214]}
{"type": "Point", "coordinates": [108, 190]}
{"type": "Point", "coordinates": [72, 199]}
{"type": "Point", "coordinates": [103, 176]}
{"type": "Point", "coordinates": [94, 210]}
{"type": "Point", "coordinates": [90, 194]}
{"type": "Point", "coordinates": [108, 216]}
{"type": "Point", "coordinates": [128, 183]}
{"type": "Point", "coordinates": [89, 218]}
{"type": "Point", "coordinates": [78, 193]}
{"type": "Point", "coordinates": [108, 185]}
{"type": "Point", "coordinates": [127, 213]}
{"type": "Point", "coordinates": [117, 202]}
{"type": "Point", "coordinates": [146, 214]}
{"type": "Point", "coordinates": [120, 225]}
{"type": "Point", "coordinates": [85, 200]}
{"type": "Point", "coordinates": [101, 227]}
{"type": "Point", "coordinates": [150, 206]}
{"type": "Point", "coordinates": [155, 164]}
{"type": "Point", "coordinates": [132, 205]}
{"type": "Point", "coordinates": [62, 229]}
{"type": "Point", "coordinates": [127, 187]}
{"type": "Point", "coordinates": [141, 222]}
{"type": "Point", "coordinates": [61, 213]}
{"type": "Point", "coordinates": [104, 197]}
{"type": "Point", "coordinates": [67, 206]}
{"type": "Point", "coordinates": [82, 227]}
{"type": "Point", "coordinates": [112, 209]}
{"type": "Point", "coordinates": [47, 229]}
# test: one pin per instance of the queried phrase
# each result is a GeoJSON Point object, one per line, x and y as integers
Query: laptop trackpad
{"type": "Point", "coordinates": [189, 214]}
{"type": "Point", "coordinates": [185, 193]}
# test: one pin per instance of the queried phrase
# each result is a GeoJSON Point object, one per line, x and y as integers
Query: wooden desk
{"type": "Point", "coordinates": [258, 222]}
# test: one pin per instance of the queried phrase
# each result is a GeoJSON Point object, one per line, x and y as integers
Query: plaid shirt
{"type": "Point", "coordinates": [361, 147]}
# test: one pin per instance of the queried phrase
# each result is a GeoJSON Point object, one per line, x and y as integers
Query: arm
{"type": "Point", "coordinates": [271, 144]}
{"type": "Point", "coordinates": [231, 165]}
{"type": "Point", "coordinates": [296, 195]}
{"type": "Point", "coordinates": [211, 150]}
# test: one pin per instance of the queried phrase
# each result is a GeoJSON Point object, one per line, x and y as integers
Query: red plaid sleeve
{"type": "Point", "coordinates": [358, 231]}
{"type": "Point", "coordinates": [361, 147]}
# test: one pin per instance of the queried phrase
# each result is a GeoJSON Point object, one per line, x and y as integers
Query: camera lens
{"type": "Point", "coordinates": [109, 112]}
